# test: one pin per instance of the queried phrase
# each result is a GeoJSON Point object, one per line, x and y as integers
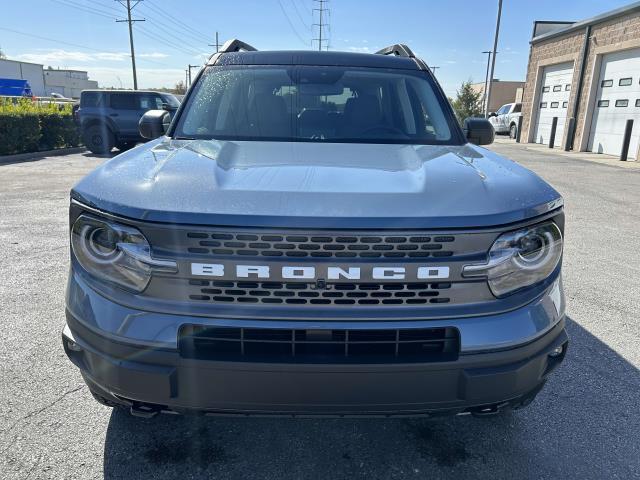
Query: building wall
{"type": "Point", "coordinates": [611, 35]}
{"type": "Point", "coordinates": [32, 72]}
{"type": "Point", "coordinates": [67, 82]}
{"type": "Point", "coordinates": [501, 92]}
{"type": "Point", "coordinates": [44, 82]}
{"type": "Point", "coordinates": [557, 50]}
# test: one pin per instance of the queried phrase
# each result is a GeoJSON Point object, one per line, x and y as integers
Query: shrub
{"type": "Point", "coordinates": [26, 126]}
{"type": "Point", "coordinates": [19, 132]}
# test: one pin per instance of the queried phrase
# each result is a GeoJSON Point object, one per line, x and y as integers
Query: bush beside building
{"type": "Point", "coordinates": [29, 127]}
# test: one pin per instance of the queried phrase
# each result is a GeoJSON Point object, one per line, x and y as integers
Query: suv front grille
{"type": "Point", "coordinates": [320, 246]}
{"type": "Point", "coordinates": [218, 291]}
{"type": "Point", "coordinates": [319, 346]}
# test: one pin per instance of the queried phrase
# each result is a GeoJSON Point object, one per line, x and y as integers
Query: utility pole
{"type": "Point", "coordinates": [189, 70]}
{"type": "Point", "coordinates": [493, 59]}
{"type": "Point", "coordinates": [131, 21]}
{"type": "Point", "coordinates": [486, 80]}
{"type": "Point", "coordinates": [217, 44]}
{"type": "Point", "coordinates": [433, 70]}
{"type": "Point", "coordinates": [321, 23]}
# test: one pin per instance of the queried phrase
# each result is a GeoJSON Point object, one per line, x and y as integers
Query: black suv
{"type": "Point", "coordinates": [110, 118]}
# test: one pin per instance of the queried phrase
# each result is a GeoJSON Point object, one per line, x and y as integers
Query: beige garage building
{"type": "Point", "coordinates": [587, 75]}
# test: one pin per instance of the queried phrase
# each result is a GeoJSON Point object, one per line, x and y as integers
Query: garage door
{"type": "Point", "coordinates": [617, 100]}
{"type": "Point", "coordinates": [554, 100]}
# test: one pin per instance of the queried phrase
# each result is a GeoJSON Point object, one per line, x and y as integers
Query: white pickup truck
{"type": "Point", "coordinates": [505, 120]}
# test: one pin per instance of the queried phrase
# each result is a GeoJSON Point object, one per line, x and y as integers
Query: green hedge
{"type": "Point", "coordinates": [29, 127]}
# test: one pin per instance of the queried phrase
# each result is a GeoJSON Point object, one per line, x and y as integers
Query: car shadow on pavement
{"type": "Point", "coordinates": [584, 424]}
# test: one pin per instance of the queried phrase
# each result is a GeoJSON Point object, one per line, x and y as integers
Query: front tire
{"type": "Point", "coordinates": [99, 139]}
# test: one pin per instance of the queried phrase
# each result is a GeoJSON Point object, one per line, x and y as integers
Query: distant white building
{"type": "Point", "coordinates": [67, 82]}
{"type": "Point", "coordinates": [32, 72]}
{"type": "Point", "coordinates": [44, 82]}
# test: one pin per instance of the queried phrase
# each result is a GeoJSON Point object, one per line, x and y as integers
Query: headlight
{"type": "Point", "coordinates": [115, 253]}
{"type": "Point", "coordinates": [520, 258]}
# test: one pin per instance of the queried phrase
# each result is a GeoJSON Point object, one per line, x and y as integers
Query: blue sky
{"type": "Point", "coordinates": [83, 34]}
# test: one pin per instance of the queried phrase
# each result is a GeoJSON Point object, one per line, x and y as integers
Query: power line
{"type": "Point", "coordinates": [86, 9]}
{"type": "Point", "coordinates": [322, 24]}
{"type": "Point", "coordinates": [167, 27]}
{"type": "Point", "coordinates": [131, 21]}
{"type": "Point", "coordinates": [189, 49]}
{"type": "Point", "coordinates": [183, 25]}
{"type": "Point", "coordinates": [295, 6]}
{"type": "Point", "coordinates": [291, 23]}
{"type": "Point", "coordinates": [144, 32]}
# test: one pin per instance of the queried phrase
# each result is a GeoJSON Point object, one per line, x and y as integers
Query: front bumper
{"type": "Point", "coordinates": [150, 380]}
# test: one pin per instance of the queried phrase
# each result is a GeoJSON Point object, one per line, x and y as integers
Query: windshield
{"type": "Point", "coordinates": [331, 104]}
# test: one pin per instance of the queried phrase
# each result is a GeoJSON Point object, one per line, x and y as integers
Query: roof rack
{"type": "Point", "coordinates": [236, 45]}
{"type": "Point", "coordinates": [399, 49]}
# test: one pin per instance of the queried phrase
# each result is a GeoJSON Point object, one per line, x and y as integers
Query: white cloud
{"type": "Point", "coordinates": [152, 55]}
{"type": "Point", "coordinates": [450, 62]}
{"type": "Point", "coordinates": [54, 56]}
{"type": "Point", "coordinates": [121, 77]}
{"type": "Point", "coordinates": [360, 49]}
{"type": "Point", "coordinates": [61, 57]}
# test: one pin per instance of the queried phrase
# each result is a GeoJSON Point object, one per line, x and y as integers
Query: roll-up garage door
{"type": "Point", "coordinates": [554, 102]}
{"type": "Point", "coordinates": [617, 100]}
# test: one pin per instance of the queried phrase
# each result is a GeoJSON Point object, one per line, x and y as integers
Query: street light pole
{"type": "Point", "coordinates": [493, 60]}
{"type": "Point", "coordinates": [486, 80]}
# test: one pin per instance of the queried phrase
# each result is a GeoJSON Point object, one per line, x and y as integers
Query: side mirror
{"type": "Point", "coordinates": [154, 124]}
{"type": "Point", "coordinates": [479, 131]}
{"type": "Point", "coordinates": [493, 114]}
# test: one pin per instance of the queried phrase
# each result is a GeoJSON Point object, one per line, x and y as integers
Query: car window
{"type": "Point", "coordinates": [517, 108]}
{"type": "Point", "coordinates": [337, 104]}
{"type": "Point", "coordinates": [123, 101]}
{"type": "Point", "coordinates": [504, 109]}
{"type": "Point", "coordinates": [150, 102]}
{"type": "Point", "coordinates": [170, 100]}
{"type": "Point", "coordinates": [92, 99]}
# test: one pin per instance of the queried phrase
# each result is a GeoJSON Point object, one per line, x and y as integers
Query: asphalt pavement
{"type": "Point", "coordinates": [585, 424]}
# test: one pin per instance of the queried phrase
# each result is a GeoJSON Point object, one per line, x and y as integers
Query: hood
{"type": "Point", "coordinates": [316, 185]}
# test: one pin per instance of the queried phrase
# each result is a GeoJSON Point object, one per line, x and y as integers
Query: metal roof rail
{"type": "Point", "coordinates": [236, 45]}
{"type": "Point", "coordinates": [399, 49]}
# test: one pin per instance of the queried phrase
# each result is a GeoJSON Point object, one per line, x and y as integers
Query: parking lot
{"type": "Point", "coordinates": [585, 424]}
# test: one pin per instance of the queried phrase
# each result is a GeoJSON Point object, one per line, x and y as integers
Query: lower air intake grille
{"type": "Point", "coordinates": [319, 346]}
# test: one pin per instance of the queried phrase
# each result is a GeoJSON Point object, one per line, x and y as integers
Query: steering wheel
{"type": "Point", "coordinates": [385, 129]}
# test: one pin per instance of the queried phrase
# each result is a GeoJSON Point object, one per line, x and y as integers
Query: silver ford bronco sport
{"type": "Point", "coordinates": [314, 234]}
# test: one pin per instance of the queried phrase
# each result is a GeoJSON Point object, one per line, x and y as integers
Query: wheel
{"type": "Point", "coordinates": [513, 131]}
{"type": "Point", "coordinates": [98, 139]}
{"type": "Point", "coordinates": [124, 146]}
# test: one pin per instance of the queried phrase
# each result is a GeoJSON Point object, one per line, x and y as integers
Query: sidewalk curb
{"type": "Point", "coordinates": [23, 157]}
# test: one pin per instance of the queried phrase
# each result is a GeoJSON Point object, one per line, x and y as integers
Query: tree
{"type": "Point", "coordinates": [467, 102]}
{"type": "Point", "coordinates": [2, 55]}
{"type": "Point", "coordinates": [180, 88]}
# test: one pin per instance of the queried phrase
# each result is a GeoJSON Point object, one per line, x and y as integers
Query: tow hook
{"type": "Point", "coordinates": [489, 410]}
{"type": "Point", "coordinates": [144, 410]}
